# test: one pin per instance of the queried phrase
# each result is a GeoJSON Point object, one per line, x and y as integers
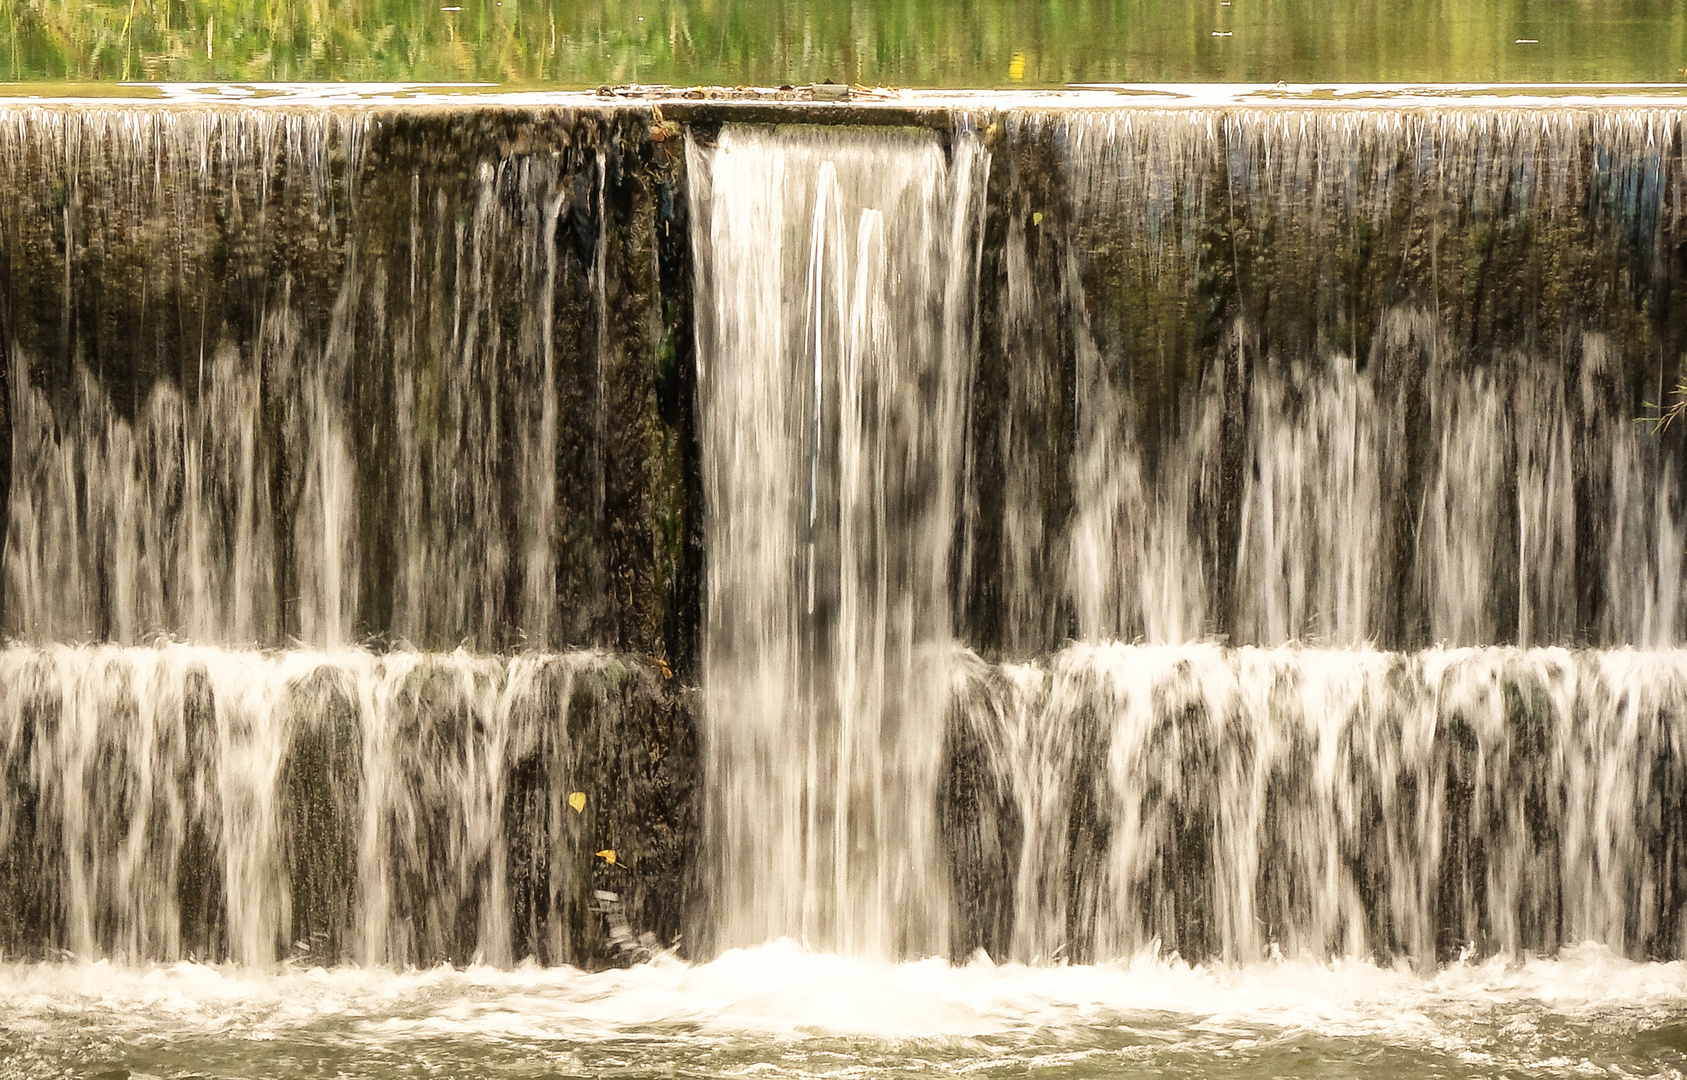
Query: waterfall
{"type": "Point", "coordinates": [1331, 375]}
{"type": "Point", "coordinates": [554, 530]}
{"type": "Point", "coordinates": [280, 376]}
{"type": "Point", "coordinates": [1241, 803]}
{"type": "Point", "coordinates": [1304, 535]}
{"type": "Point", "coordinates": [328, 580]}
{"type": "Point", "coordinates": [835, 323]}
{"type": "Point", "coordinates": [194, 801]}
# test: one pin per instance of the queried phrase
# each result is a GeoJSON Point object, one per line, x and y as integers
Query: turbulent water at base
{"type": "Point", "coordinates": [778, 1011]}
{"type": "Point", "coordinates": [1134, 590]}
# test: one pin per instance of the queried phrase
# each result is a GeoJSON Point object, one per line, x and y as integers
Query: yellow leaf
{"type": "Point", "coordinates": [578, 801]}
{"type": "Point", "coordinates": [607, 855]}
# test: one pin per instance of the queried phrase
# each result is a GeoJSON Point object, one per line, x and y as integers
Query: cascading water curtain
{"type": "Point", "coordinates": [835, 298]}
{"type": "Point", "coordinates": [1212, 531]}
{"type": "Point", "coordinates": [318, 543]}
{"type": "Point", "coordinates": [1336, 592]}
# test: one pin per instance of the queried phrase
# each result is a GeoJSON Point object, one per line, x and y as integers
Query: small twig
{"type": "Point", "coordinates": [1665, 415]}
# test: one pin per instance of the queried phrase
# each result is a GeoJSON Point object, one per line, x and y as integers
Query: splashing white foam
{"type": "Point", "coordinates": [781, 991]}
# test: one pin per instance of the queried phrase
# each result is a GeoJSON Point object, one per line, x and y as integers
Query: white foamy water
{"type": "Point", "coordinates": [781, 1010]}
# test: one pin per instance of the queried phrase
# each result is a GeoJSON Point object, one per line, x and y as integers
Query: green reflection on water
{"type": "Point", "coordinates": [924, 43]}
{"type": "Point", "coordinates": [1120, 1052]}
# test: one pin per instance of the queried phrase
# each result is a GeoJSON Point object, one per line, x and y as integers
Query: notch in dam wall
{"type": "Point", "coordinates": [1055, 527]}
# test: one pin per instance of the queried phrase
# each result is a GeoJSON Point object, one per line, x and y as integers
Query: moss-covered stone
{"type": "Point", "coordinates": [622, 734]}
{"type": "Point", "coordinates": [321, 800]}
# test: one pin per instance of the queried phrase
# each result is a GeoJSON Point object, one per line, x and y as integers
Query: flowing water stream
{"type": "Point", "coordinates": [545, 589]}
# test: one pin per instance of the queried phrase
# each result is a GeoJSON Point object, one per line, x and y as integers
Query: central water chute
{"type": "Point", "coordinates": [833, 377]}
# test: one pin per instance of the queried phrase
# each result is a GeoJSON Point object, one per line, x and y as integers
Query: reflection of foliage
{"type": "Point", "coordinates": [898, 42]}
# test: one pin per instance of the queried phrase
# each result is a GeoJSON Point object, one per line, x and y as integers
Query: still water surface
{"type": "Point", "coordinates": [912, 43]}
{"type": "Point", "coordinates": [778, 1011]}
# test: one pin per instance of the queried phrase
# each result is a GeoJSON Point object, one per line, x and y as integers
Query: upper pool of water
{"type": "Point", "coordinates": [802, 103]}
{"type": "Point", "coordinates": [910, 43]}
